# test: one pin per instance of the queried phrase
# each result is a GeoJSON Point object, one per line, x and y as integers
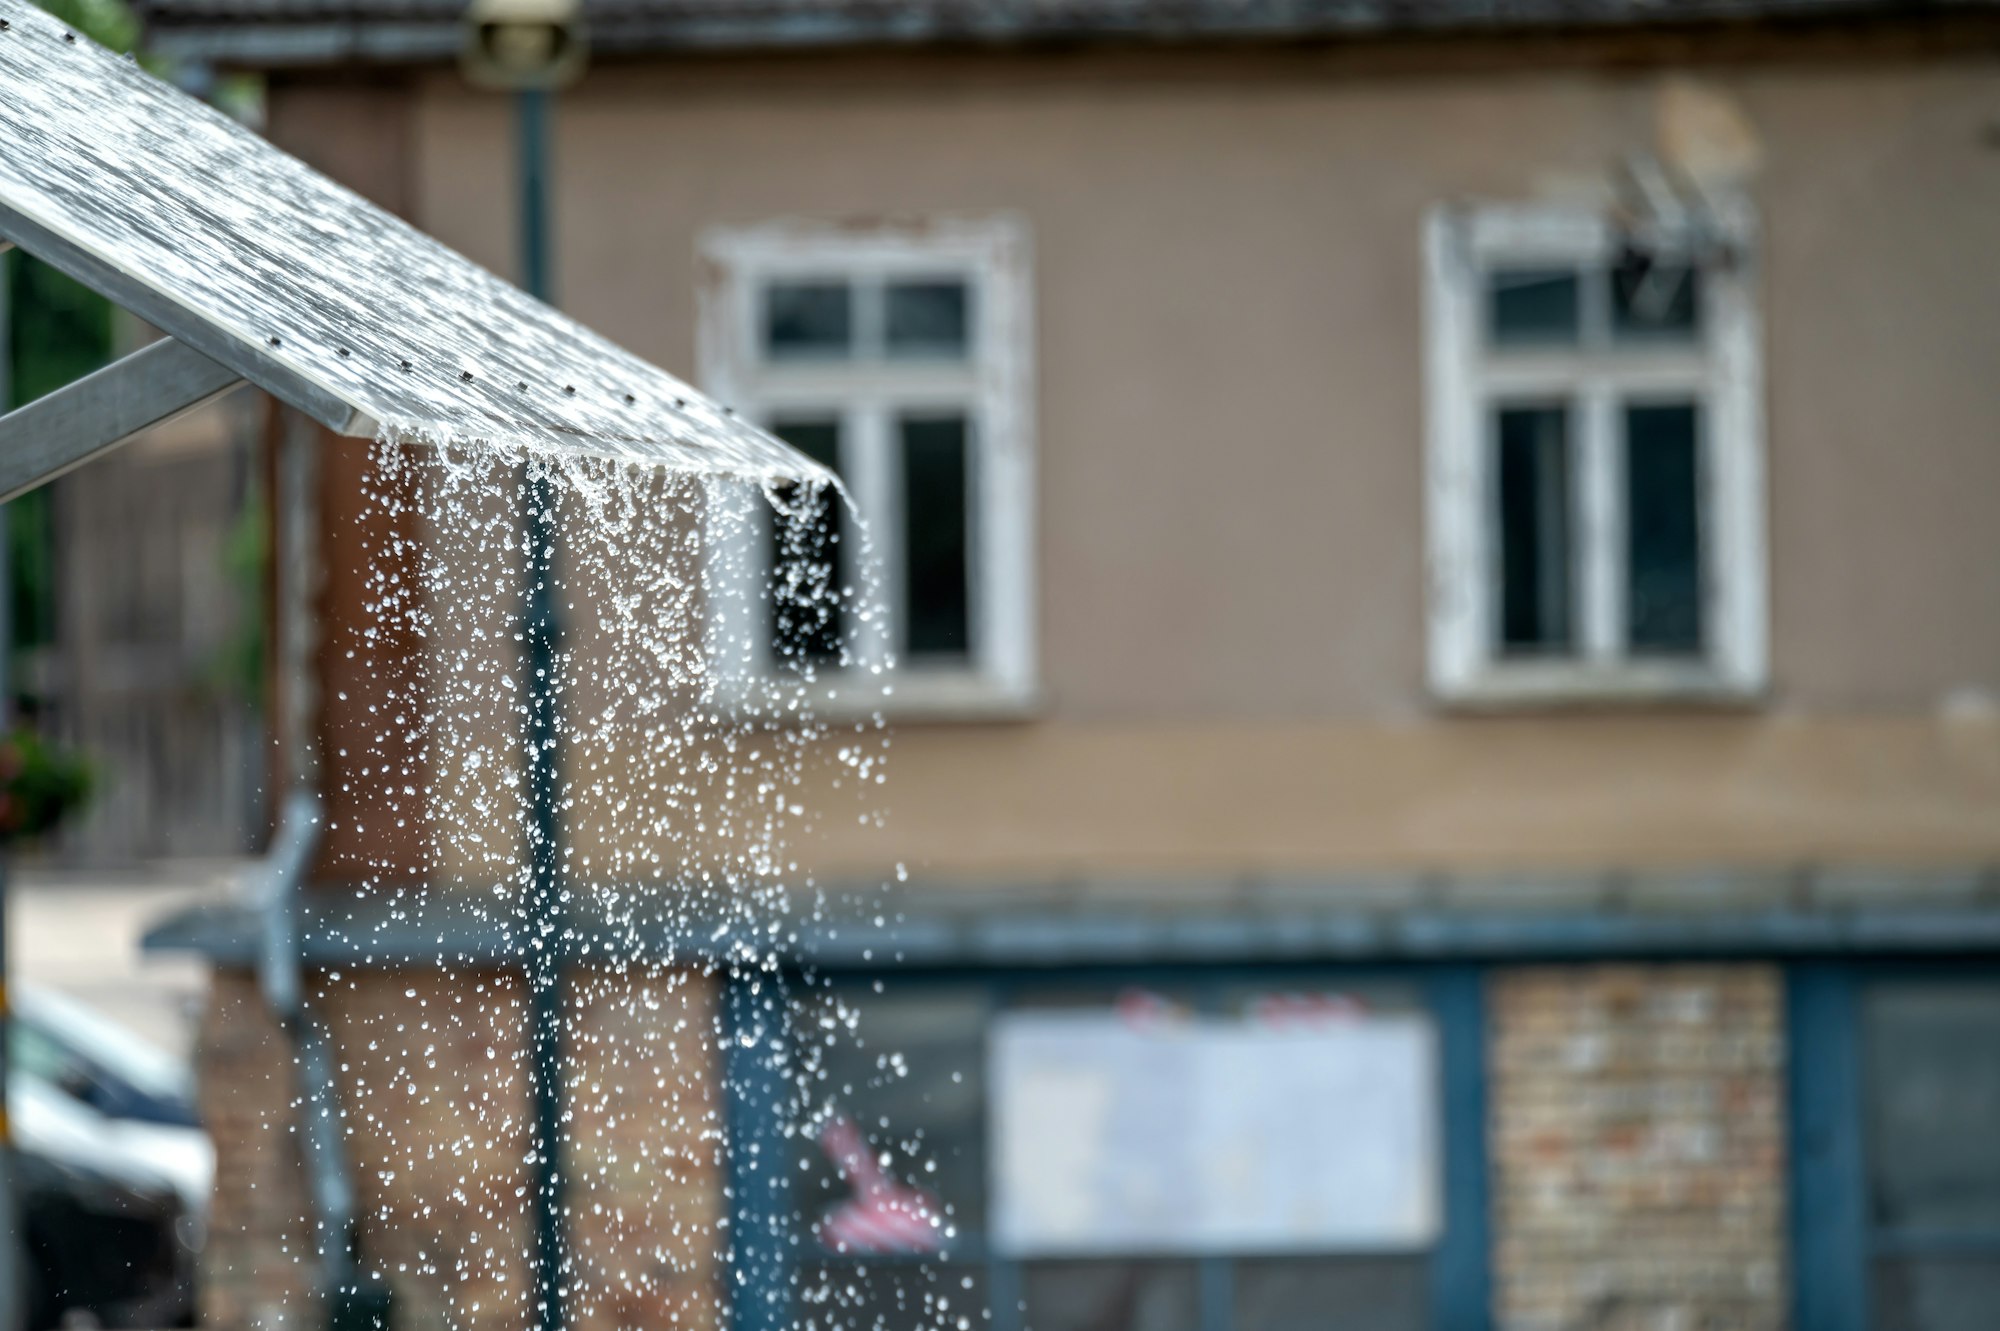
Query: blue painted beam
{"type": "Point", "coordinates": [462, 927]}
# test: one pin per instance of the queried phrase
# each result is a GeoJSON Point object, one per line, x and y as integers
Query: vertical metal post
{"type": "Point", "coordinates": [1828, 1156]}
{"type": "Point", "coordinates": [545, 907]}
{"type": "Point", "coordinates": [754, 1013]}
{"type": "Point", "coordinates": [1461, 1264]}
{"type": "Point", "coordinates": [13, 1283]}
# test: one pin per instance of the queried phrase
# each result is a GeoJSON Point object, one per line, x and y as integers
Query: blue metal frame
{"type": "Point", "coordinates": [1834, 1242]}
{"type": "Point", "coordinates": [1829, 1208]}
{"type": "Point", "coordinates": [755, 1055]}
{"type": "Point", "coordinates": [1461, 1270]}
{"type": "Point", "coordinates": [765, 1241]}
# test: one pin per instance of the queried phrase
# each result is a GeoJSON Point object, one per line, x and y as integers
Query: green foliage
{"type": "Point", "coordinates": [31, 573]}
{"type": "Point", "coordinates": [239, 667]}
{"type": "Point", "coordinates": [39, 786]}
{"type": "Point", "coordinates": [106, 22]}
{"type": "Point", "coordinates": [58, 330]}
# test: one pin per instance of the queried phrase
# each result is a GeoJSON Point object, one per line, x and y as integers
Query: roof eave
{"type": "Point", "coordinates": [260, 42]}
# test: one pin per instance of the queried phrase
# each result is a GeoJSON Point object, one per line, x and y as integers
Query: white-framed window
{"type": "Point", "coordinates": [900, 356]}
{"type": "Point", "coordinates": [1595, 477]}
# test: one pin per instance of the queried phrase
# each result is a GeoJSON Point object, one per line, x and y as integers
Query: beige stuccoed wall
{"type": "Point", "coordinates": [1229, 416]}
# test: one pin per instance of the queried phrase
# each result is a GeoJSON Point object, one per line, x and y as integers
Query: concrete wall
{"type": "Point", "coordinates": [1230, 416]}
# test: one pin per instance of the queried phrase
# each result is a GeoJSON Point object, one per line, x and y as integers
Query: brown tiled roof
{"type": "Point", "coordinates": [423, 29]}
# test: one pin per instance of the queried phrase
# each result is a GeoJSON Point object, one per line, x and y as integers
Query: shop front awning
{"type": "Point", "coordinates": [258, 269]}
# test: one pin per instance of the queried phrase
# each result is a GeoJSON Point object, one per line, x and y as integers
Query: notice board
{"type": "Point", "coordinates": [1212, 1135]}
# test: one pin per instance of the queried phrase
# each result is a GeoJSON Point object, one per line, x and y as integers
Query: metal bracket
{"type": "Point", "coordinates": [67, 428]}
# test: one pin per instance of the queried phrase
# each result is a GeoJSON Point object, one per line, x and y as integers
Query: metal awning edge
{"type": "Point", "coordinates": [216, 341]}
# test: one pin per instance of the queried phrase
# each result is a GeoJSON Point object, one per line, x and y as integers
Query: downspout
{"type": "Point", "coordinates": [352, 1304]}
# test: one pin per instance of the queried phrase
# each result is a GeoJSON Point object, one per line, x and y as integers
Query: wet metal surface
{"type": "Point", "coordinates": [246, 254]}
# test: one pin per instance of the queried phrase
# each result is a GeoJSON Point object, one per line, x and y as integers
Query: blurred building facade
{"type": "Point", "coordinates": [142, 653]}
{"type": "Point", "coordinates": [1453, 534]}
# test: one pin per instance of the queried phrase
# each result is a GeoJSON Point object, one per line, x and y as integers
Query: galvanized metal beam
{"type": "Point", "coordinates": [67, 428]}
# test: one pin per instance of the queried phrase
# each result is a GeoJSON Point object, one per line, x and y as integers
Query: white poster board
{"type": "Point", "coordinates": [1212, 1135]}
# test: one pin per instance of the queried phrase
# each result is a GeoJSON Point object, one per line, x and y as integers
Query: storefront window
{"type": "Point", "coordinates": [1931, 1129]}
{"type": "Point", "coordinates": [1084, 1152]}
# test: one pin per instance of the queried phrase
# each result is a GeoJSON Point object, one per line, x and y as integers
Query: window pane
{"type": "Point", "coordinates": [807, 619]}
{"type": "Point", "coordinates": [1533, 307]}
{"type": "Point", "coordinates": [1663, 531]}
{"type": "Point", "coordinates": [1351, 1293]}
{"type": "Point", "coordinates": [1537, 574]}
{"type": "Point", "coordinates": [1937, 1294]}
{"type": "Point", "coordinates": [1320, 1100]}
{"type": "Point", "coordinates": [937, 528]}
{"type": "Point", "coordinates": [1654, 301]}
{"type": "Point", "coordinates": [1111, 1296]}
{"type": "Point", "coordinates": [906, 1069]}
{"type": "Point", "coordinates": [1932, 1055]}
{"type": "Point", "coordinates": [808, 319]}
{"type": "Point", "coordinates": [891, 1296]}
{"type": "Point", "coordinates": [927, 318]}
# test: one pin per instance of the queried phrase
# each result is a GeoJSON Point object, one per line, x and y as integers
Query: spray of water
{"type": "Point", "coordinates": [713, 714]}
{"type": "Point", "coordinates": [696, 762]}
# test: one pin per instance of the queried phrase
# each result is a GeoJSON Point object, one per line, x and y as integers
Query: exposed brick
{"type": "Point", "coordinates": [1637, 1148]}
{"type": "Point", "coordinates": [435, 1105]}
{"type": "Point", "coordinates": [256, 1266]}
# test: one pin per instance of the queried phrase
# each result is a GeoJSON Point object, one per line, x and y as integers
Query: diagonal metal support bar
{"type": "Point", "coordinates": [67, 428]}
{"type": "Point", "coordinates": [183, 325]}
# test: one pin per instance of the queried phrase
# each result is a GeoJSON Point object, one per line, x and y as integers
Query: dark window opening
{"type": "Point", "coordinates": [808, 320]}
{"type": "Point", "coordinates": [1931, 1078]}
{"type": "Point", "coordinates": [928, 318]}
{"type": "Point", "coordinates": [1537, 567]}
{"type": "Point", "coordinates": [808, 619]}
{"type": "Point", "coordinates": [937, 529]}
{"type": "Point", "coordinates": [1663, 557]}
{"type": "Point", "coordinates": [1654, 299]}
{"type": "Point", "coordinates": [1534, 307]}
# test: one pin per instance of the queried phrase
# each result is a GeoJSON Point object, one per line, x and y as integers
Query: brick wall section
{"type": "Point", "coordinates": [1637, 1132]}
{"type": "Point", "coordinates": [257, 1265]}
{"type": "Point", "coordinates": [645, 1151]}
{"type": "Point", "coordinates": [434, 1096]}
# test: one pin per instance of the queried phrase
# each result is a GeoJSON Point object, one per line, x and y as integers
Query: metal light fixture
{"type": "Point", "coordinates": [523, 44]}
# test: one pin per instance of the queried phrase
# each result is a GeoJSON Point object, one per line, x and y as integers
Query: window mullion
{"type": "Point", "coordinates": [984, 537]}
{"type": "Point", "coordinates": [871, 478]}
{"type": "Point", "coordinates": [1603, 519]}
{"type": "Point", "coordinates": [870, 317]}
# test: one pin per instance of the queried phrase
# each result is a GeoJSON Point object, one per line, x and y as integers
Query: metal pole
{"type": "Point", "coordinates": [545, 908]}
{"type": "Point", "coordinates": [13, 1282]}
